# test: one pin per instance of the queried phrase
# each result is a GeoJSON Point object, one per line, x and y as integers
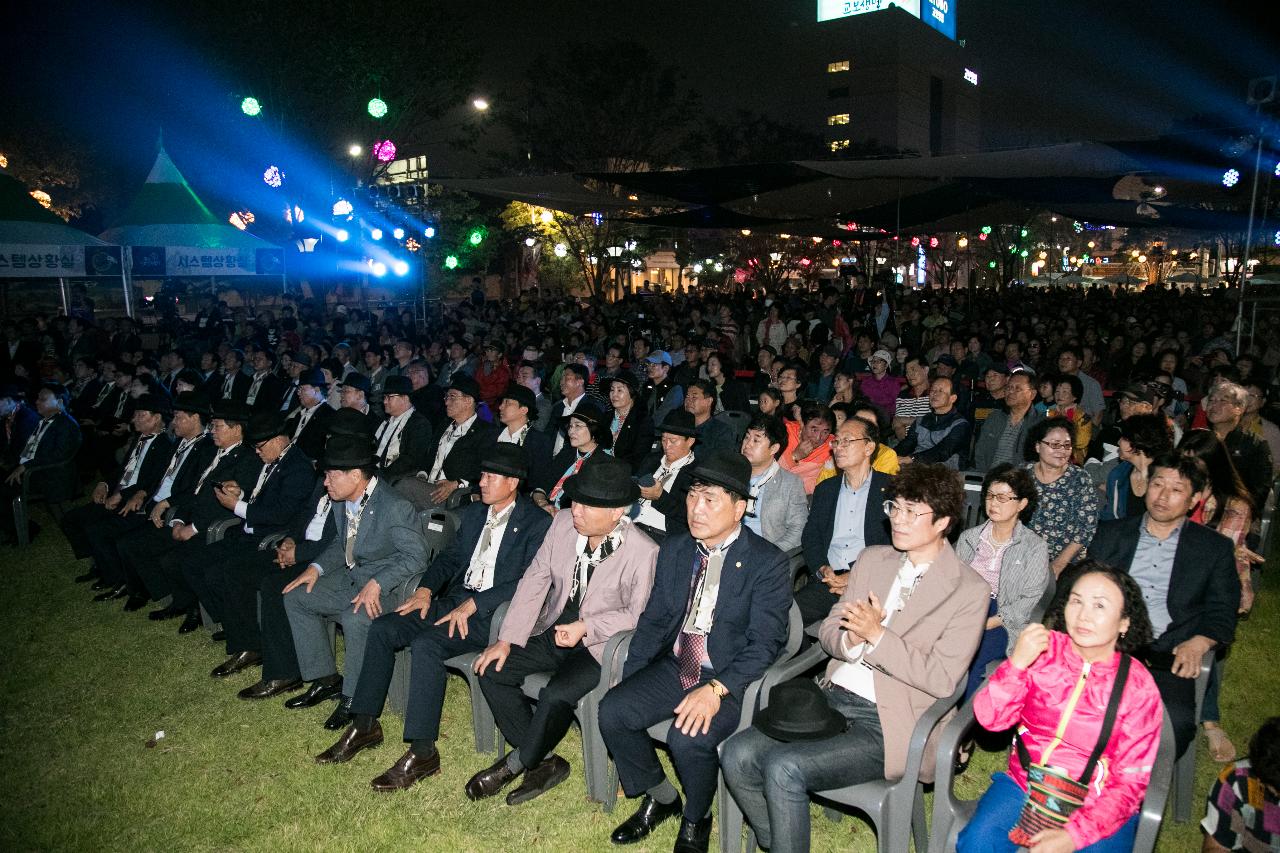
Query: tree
{"type": "Point", "coordinates": [750, 137]}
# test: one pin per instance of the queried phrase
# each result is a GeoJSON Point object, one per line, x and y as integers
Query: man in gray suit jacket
{"type": "Point", "coordinates": [777, 507]}
{"type": "Point", "coordinates": [379, 544]}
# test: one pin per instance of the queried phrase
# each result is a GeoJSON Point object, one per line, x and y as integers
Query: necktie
{"type": "Point", "coordinates": [227, 385]}
{"type": "Point", "coordinates": [287, 403]}
{"type": "Point", "coordinates": [693, 647]}
{"type": "Point", "coordinates": [254, 388]}
{"type": "Point", "coordinates": [207, 471]}
{"type": "Point", "coordinates": [353, 527]}
{"type": "Point", "coordinates": [262, 480]}
{"type": "Point", "coordinates": [476, 571]}
{"type": "Point", "coordinates": [166, 483]}
{"type": "Point", "coordinates": [126, 479]}
{"type": "Point", "coordinates": [29, 451]}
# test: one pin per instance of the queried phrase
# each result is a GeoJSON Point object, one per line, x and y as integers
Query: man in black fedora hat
{"type": "Point", "coordinates": [517, 411]}
{"type": "Point", "coordinates": [192, 455]}
{"type": "Point", "coordinates": [589, 580]}
{"type": "Point", "coordinates": [716, 619]}
{"type": "Point", "coordinates": [661, 508]}
{"type": "Point", "coordinates": [266, 390]}
{"type": "Point", "coordinates": [193, 513]}
{"type": "Point", "coordinates": [145, 460]}
{"type": "Point", "coordinates": [447, 615]}
{"type": "Point", "coordinates": [403, 442]}
{"type": "Point", "coordinates": [456, 462]}
{"type": "Point", "coordinates": [308, 425]}
{"type": "Point", "coordinates": [378, 545]}
{"type": "Point", "coordinates": [354, 390]}
{"type": "Point", "coordinates": [267, 506]}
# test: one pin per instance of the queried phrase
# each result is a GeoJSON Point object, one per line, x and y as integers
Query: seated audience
{"type": "Point", "coordinates": [1067, 511]}
{"type": "Point", "coordinates": [1243, 811]}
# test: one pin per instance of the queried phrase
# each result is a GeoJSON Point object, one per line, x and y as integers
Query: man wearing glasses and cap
{"type": "Point", "coordinates": [661, 395]}
{"type": "Point", "coordinates": [447, 615]}
{"type": "Point", "coordinates": [456, 462]}
{"type": "Point", "coordinates": [403, 442]}
{"type": "Point", "coordinates": [308, 425]}
{"type": "Point", "coordinates": [716, 619]}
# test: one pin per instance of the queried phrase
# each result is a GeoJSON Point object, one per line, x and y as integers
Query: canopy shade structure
{"type": "Point", "coordinates": [25, 220]}
{"type": "Point", "coordinates": [568, 193]}
{"type": "Point", "coordinates": [37, 244]}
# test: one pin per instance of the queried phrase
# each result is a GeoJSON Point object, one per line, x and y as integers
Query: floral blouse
{"type": "Point", "coordinates": [1067, 510]}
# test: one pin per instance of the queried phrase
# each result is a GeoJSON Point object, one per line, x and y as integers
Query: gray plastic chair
{"type": "Point", "coordinates": [737, 421]}
{"type": "Point", "coordinates": [438, 528]}
{"type": "Point", "coordinates": [1184, 771]}
{"type": "Point", "coordinates": [65, 470]}
{"type": "Point", "coordinates": [951, 814]}
{"type": "Point", "coordinates": [1268, 515]}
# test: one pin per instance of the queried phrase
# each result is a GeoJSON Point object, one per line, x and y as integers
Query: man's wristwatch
{"type": "Point", "coordinates": [717, 688]}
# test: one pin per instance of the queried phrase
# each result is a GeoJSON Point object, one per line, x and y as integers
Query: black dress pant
{"type": "Point", "coordinates": [103, 547]}
{"type": "Point", "coordinates": [234, 589]}
{"type": "Point", "coordinates": [142, 553]}
{"type": "Point", "coordinates": [203, 566]}
{"type": "Point", "coordinates": [537, 731]}
{"type": "Point", "coordinates": [279, 657]}
{"type": "Point", "coordinates": [815, 600]}
{"type": "Point", "coordinates": [431, 646]}
{"type": "Point", "coordinates": [77, 525]}
{"type": "Point", "coordinates": [1179, 696]}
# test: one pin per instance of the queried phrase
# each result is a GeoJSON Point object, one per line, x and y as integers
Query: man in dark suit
{"type": "Point", "coordinates": [146, 459]}
{"type": "Point", "coordinates": [403, 442]}
{"type": "Point", "coordinates": [573, 390]}
{"type": "Point", "coordinates": [87, 386]}
{"type": "Point", "coordinates": [661, 509]}
{"type": "Point", "coordinates": [847, 515]}
{"type": "Point", "coordinates": [232, 383]}
{"type": "Point", "coordinates": [1187, 576]}
{"type": "Point", "coordinates": [378, 545]}
{"type": "Point", "coordinates": [713, 435]}
{"type": "Point", "coordinates": [266, 390]}
{"type": "Point", "coordinates": [148, 552]}
{"type": "Point", "coordinates": [517, 411]}
{"type": "Point", "coordinates": [447, 615]}
{"type": "Point", "coordinates": [19, 422]}
{"type": "Point", "coordinates": [55, 440]}
{"type": "Point", "coordinates": [266, 505]}
{"type": "Point", "coordinates": [456, 463]}
{"type": "Point", "coordinates": [193, 453]}
{"type": "Point", "coordinates": [717, 618]}
{"type": "Point", "coordinates": [308, 426]}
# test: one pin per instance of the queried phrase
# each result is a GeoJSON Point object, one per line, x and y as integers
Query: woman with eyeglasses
{"type": "Point", "coordinates": [1013, 560]}
{"type": "Point", "coordinates": [589, 441]}
{"type": "Point", "coordinates": [1067, 513]}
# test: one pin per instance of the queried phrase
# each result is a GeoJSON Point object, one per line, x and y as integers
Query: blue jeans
{"type": "Point", "coordinates": [771, 779]}
{"type": "Point", "coordinates": [998, 811]}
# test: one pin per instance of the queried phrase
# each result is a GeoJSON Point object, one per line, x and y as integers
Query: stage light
{"type": "Point", "coordinates": [250, 106]}
{"type": "Point", "coordinates": [375, 234]}
{"type": "Point", "coordinates": [429, 232]}
{"type": "Point", "coordinates": [377, 108]}
{"type": "Point", "coordinates": [385, 151]}
{"type": "Point", "coordinates": [378, 268]}
{"type": "Point", "coordinates": [342, 207]}
{"type": "Point", "coordinates": [400, 268]}
{"type": "Point", "coordinates": [398, 233]}
{"type": "Point", "coordinates": [341, 235]}
{"type": "Point", "coordinates": [1230, 178]}
{"type": "Point", "coordinates": [273, 177]}
{"type": "Point", "coordinates": [451, 262]}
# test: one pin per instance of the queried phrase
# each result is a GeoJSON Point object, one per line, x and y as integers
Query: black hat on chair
{"type": "Point", "coordinates": [606, 483]}
{"type": "Point", "coordinates": [798, 711]}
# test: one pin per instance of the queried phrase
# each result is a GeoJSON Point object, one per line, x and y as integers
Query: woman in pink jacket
{"type": "Point", "coordinates": [1055, 688]}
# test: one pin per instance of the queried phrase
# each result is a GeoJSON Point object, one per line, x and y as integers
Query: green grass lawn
{"type": "Point", "coordinates": [85, 686]}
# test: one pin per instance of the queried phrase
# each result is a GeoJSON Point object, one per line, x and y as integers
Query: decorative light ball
{"type": "Point", "coordinates": [1276, 239]}
{"type": "Point", "coordinates": [273, 177]}
{"type": "Point", "coordinates": [933, 242]}
{"type": "Point", "coordinates": [561, 250]}
{"type": "Point", "coordinates": [1277, 171]}
{"type": "Point", "coordinates": [46, 200]}
{"type": "Point", "coordinates": [530, 242]}
{"type": "Point", "coordinates": [476, 237]}
{"type": "Point", "coordinates": [342, 207]}
{"type": "Point", "coordinates": [377, 107]}
{"type": "Point", "coordinates": [1230, 178]}
{"type": "Point", "coordinates": [962, 243]}
{"type": "Point", "coordinates": [375, 234]}
{"type": "Point", "coordinates": [412, 245]}
{"type": "Point", "coordinates": [451, 262]}
{"type": "Point", "coordinates": [385, 151]}
{"type": "Point", "coordinates": [1142, 259]}
{"type": "Point", "coordinates": [250, 106]}
{"type": "Point", "coordinates": [400, 268]}
{"type": "Point", "coordinates": [429, 232]}
{"type": "Point", "coordinates": [697, 268]}
{"type": "Point", "coordinates": [355, 150]}
{"type": "Point", "coordinates": [398, 233]}
{"type": "Point", "coordinates": [546, 216]}
{"type": "Point", "coordinates": [915, 241]}
{"type": "Point", "coordinates": [986, 229]}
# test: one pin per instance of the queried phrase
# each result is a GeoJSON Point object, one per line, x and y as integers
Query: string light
{"type": "Point", "coordinates": [385, 151]}
{"type": "Point", "coordinates": [273, 177]}
{"type": "Point", "coordinates": [250, 106]}
{"type": "Point", "coordinates": [377, 107]}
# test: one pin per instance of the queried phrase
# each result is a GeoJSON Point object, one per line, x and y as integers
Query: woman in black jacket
{"type": "Point", "coordinates": [631, 428]}
{"type": "Point", "coordinates": [730, 393]}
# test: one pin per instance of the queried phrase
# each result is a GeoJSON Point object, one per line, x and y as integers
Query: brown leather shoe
{"type": "Point", "coordinates": [235, 663]}
{"type": "Point", "coordinates": [551, 771]}
{"type": "Point", "coordinates": [489, 781]}
{"type": "Point", "coordinates": [267, 689]}
{"type": "Point", "coordinates": [409, 769]}
{"type": "Point", "coordinates": [351, 742]}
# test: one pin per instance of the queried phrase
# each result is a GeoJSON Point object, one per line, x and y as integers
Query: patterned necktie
{"type": "Point", "coordinates": [693, 647]}
{"type": "Point", "coordinates": [353, 527]}
{"type": "Point", "coordinates": [474, 579]}
{"type": "Point", "coordinates": [126, 478]}
{"type": "Point", "coordinates": [29, 451]}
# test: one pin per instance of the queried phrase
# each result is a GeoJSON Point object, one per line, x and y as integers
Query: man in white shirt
{"type": "Point", "coordinates": [517, 407]}
{"type": "Point", "coordinates": [403, 442]}
{"type": "Point", "coordinates": [777, 506]}
{"type": "Point", "coordinates": [456, 463]}
{"type": "Point", "coordinates": [661, 508]}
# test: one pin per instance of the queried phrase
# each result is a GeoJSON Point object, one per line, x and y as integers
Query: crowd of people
{"type": "Point", "coordinates": [659, 465]}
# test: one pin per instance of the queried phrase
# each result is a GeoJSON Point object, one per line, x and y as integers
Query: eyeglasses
{"type": "Point", "coordinates": [892, 510]}
{"type": "Point", "coordinates": [846, 442]}
{"type": "Point", "coordinates": [1001, 497]}
{"type": "Point", "coordinates": [1057, 445]}
{"type": "Point", "coordinates": [453, 397]}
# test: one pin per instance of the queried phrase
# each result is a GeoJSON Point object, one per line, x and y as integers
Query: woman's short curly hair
{"type": "Point", "coordinates": [935, 485]}
{"type": "Point", "coordinates": [1019, 481]}
{"type": "Point", "coordinates": [1037, 433]}
{"type": "Point", "coordinates": [1140, 633]}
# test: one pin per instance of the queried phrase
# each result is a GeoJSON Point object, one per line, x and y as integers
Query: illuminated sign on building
{"type": "Point", "coordinates": [971, 76]}
{"type": "Point", "coordinates": [939, 14]}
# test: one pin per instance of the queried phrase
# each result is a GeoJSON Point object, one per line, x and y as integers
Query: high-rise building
{"type": "Point", "coordinates": [890, 78]}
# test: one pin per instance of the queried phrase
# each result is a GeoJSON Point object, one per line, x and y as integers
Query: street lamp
{"type": "Point", "coordinates": [355, 150]}
{"type": "Point", "coordinates": [480, 104]}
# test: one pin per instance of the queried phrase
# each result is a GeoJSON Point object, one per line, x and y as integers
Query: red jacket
{"type": "Point", "coordinates": [1036, 698]}
{"type": "Point", "coordinates": [493, 384]}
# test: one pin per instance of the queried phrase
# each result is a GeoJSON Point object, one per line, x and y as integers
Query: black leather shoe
{"type": "Point", "coordinates": [112, 594]}
{"type": "Point", "coordinates": [218, 636]}
{"type": "Point", "coordinates": [99, 585]}
{"type": "Point", "coordinates": [135, 602]}
{"type": "Point", "coordinates": [490, 780]}
{"type": "Point", "coordinates": [693, 836]}
{"type": "Point", "coordinates": [91, 575]}
{"type": "Point", "coordinates": [267, 689]}
{"type": "Point", "coordinates": [406, 772]}
{"type": "Point", "coordinates": [235, 663]}
{"type": "Point", "coordinates": [647, 817]}
{"type": "Point", "coordinates": [165, 613]}
{"type": "Point", "coordinates": [190, 623]}
{"type": "Point", "coordinates": [318, 692]}
{"type": "Point", "coordinates": [352, 741]}
{"type": "Point", "coordinates": [538, 780]}
{"type": "Point", "coordinates": [341, 716]}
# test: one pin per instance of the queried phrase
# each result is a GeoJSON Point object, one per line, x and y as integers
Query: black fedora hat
{"type": "Point", "coordinates": [588, 411]}
{"type": "Point", "coordinates": [350, 422]}
{"type": "Point", "coordinates": [507, 459]}
{"type": "Point", "coordinates": [265, 426]}
{"type": "Point", "coordinates": [724, 468]}
{"type": "Point", "coordinates": [679, 422]}
{"type": "Point", "coordinates": [397, 385]}
{"type": "Point", "coordinates": [626, 377]}
{"type": "Point", "coordinates": [158, 403]}
{"type": "Point", "coordinates": [606, 483]}
{"type": "Point", "coordinates": [231, 411]}
{"type": "Point", "coordinates": [522, 396]}
{"type": "Point", "coordinates": [464, 384]}
{"type": "Point", "coordinates": [313, 377]}
{"type": "Point", "coordinates": [344, 452]}
{"type": "Point", "coordinates": [192, 402]}
{"type": "Point", "coordinates": [358, 381]}
{"type": "Point", "coordinates": [798, 711]}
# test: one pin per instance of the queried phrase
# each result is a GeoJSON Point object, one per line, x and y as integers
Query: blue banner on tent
{"type": "Point", "coordinates": [148, 261]}
{"type": "Point", "coordinates": [270, 262]}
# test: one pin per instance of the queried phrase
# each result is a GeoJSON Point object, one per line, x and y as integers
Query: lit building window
{"type": "Point", "coordinates": [839, 144]}
{"type": "Point", "coordinates": [837, 67]}
{"type": "Point", "coordinates": [839, 118]}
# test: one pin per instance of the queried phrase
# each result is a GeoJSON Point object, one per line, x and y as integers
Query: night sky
{"type": "Point", "coordinates": [108, 79]}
